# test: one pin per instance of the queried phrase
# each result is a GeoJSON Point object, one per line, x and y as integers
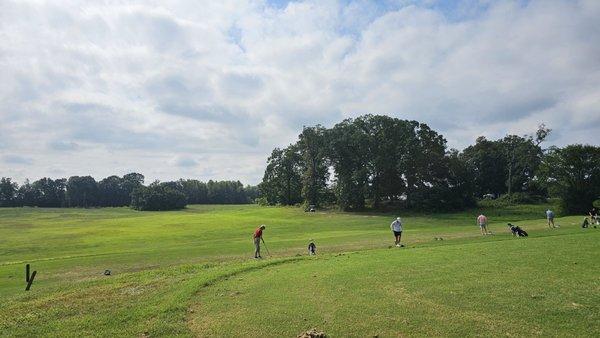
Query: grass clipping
{"type": "Point", "coordinates": [312, 333]}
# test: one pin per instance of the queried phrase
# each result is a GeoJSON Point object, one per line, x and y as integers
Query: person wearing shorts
{"type": "Point", "coordinates": [550, 218]}
{"type": "Point", "coordinates": [257, 237]}
{"type": "Point", "coordinates": [396, 228]}
{"type": "Point", "coordinates": [482, 222]}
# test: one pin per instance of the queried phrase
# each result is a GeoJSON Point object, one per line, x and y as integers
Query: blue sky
{"type": "Point", "coordinates": [206, 89]}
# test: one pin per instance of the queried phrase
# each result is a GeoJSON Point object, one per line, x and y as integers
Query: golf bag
{"type": "Point", "coordinates": [312, 249]}
{"type": "Point", "coordinates": [517, 231]}
{"type": "Point", "coordinates": [585, 223]}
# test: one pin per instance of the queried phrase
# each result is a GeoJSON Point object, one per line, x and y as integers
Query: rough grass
{"type": "Point", "coordinates": [169, 267]}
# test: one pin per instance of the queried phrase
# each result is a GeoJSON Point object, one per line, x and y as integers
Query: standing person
{"type": "Point", "coordinates": [550, 218]}
{"type": "Point", "coordinates": [396, 228]}
{"type": "Point", "coordinates": [257, 237]}
{"type": "Point", "coordinates": [482, 222]}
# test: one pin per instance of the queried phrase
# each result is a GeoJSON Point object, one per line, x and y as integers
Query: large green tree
{"type": "Point", "coordinates": [348, 152]}
{"type": "Point", "coordinates": [281, 182]}
{"type": "Point", "coordinates": [573, 174]}
{"type": "Point", "coordinates": [82, 191]}
{"type": "Point", "coordinates": [8, 192]}
{"type": "Point", "coordinates": [49, 193]}
{"type": "Point", "coordinates": [312, 147]}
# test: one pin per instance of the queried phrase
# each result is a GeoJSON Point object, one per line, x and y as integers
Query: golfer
{"type": "Point", "coordinates": [396, 228]}
{"type": "Point", "coordinates": [257, 237]}
{"type": "Point", "coordinates": [482, 222]}
{"type": "Point", "coordinates": [550, 218]}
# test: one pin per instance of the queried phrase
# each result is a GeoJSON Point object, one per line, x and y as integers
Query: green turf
{"type": "Point", "coordinates": [539, 286]}
{"type": "Point", "coordinates": [188, 272]}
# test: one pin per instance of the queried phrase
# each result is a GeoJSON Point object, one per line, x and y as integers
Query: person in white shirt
{"type": "Point", "coordinates": [396, 228]}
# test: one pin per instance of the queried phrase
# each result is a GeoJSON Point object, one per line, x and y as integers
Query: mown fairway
{"type": "Point", "coordinates": [190, 273]}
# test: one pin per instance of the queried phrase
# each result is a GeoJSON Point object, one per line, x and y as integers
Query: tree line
{"type": "Point", "coordinates": [376, 161]}
{"type": "Point", "coordinates": [128, 190]}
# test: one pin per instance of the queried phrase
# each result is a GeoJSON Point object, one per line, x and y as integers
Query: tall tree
{"type": "Point", "coordinates": [312, 144]}
{"type": "Point", "coordinates": [8, 192]}
{"type": "Point", "coordinates": [282, 179]}
{"type": "Point", "coordinates": [348, 154]}
{"type": "Point", "coordinates": [487, 162]}
{"type": "Point", "coordinates": [111, 192]}
{"type": "Point", "coordinates": [49, 193]}
{"type": "Point", "coordinates": [27, 195]}
{"type": "Point", "coordinates": [523, 156]}
{"type": "Point", "coordinates": [573, 174]}
{"type": "Point", "coordinates": [82, 191]}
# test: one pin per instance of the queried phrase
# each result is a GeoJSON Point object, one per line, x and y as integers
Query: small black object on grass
{"type": "Point", "coordinates": [107, 272]}
{"type": "Point", "coordinates": [29, 278]}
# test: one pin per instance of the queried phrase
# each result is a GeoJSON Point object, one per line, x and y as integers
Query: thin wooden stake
{"type": "Point", "coordinates": [30, 281]}
{"type": "Point", "coordinates": [27, 275]}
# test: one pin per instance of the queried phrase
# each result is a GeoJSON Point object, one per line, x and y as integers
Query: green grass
{"type": "Point", "coordinates": [189, 273]}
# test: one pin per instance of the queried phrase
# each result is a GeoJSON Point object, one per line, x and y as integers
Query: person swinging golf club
{"type": "Point", "coordinates": [257, 237]}
{"type": "Point", "coordinates": [396, 228]}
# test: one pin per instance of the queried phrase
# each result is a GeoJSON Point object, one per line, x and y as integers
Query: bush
{"type": "Point", "coordinates": [157, 197]}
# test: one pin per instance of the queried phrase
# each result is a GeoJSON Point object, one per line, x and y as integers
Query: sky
{"type": "Point", "coordinates": [206, 89]}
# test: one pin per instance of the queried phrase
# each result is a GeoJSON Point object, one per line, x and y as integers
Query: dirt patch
{"type": "Point", "coordinates": [312, 333]}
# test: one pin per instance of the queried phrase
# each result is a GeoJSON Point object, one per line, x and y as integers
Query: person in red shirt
{"type": "Point", "coordinates": [257, 237]}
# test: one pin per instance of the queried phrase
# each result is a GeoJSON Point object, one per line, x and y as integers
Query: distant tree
{"type": "Point", "coordinates": [348, 152]}
{"type": "Point", "coordinates": [157, 197]}
{"type": "Point", "coordinates": [487, 162]}
{"type": "Point", "coordinates": [523, 157]}
{"type": "Point", "coordinates": [388, 140]}
{"type": "Point", "coordinates": [82, 191]}
{"type": "Point", "coordinates": [372, 158]}
{"type": "Point", "coordinates": [541, 134]}
{"type": "Point", "coordinates": [27, 195]}
{"type": "Point", "coordinates": [252, 193]}
{"type": "Point", "coordinates": [195, 191]}
{"type": "Point", "coordinates": [573, 174]}
{"type": "Point", "coordinates": [8, 192]}
{"type": "Point", "coordinates": [129, 183]}
{"type": "Point", "coordinates": [111, 192]}
{"type": "Point", "coordinates": [282, 179]}
{"type": "Point", "coordinates": [461, 186]}
{"type": "Point", "coordinates": [49, 193]}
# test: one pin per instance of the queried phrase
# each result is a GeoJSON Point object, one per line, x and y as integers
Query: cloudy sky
{"type": "Point", "coordinates": [205, 89]}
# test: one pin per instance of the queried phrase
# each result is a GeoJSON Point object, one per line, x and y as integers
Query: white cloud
{"type": "Point", "coordinates": [206, 89]}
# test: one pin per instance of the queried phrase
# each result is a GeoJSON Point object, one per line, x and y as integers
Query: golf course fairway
{"type": "Point", "coordinates": [540, 286]}
{"type": "Point", "coordinates": [190, 273]}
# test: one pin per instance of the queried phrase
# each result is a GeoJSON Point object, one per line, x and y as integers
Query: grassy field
{"type": "Point", "coordinates": [190, 272]}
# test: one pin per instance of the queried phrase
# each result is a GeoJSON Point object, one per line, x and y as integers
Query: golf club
{"type": "Point", "coordinates": [267, 249]}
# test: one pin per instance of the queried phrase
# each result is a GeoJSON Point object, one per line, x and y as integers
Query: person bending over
{"type": "Point", "coordinates": [257, 237]}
